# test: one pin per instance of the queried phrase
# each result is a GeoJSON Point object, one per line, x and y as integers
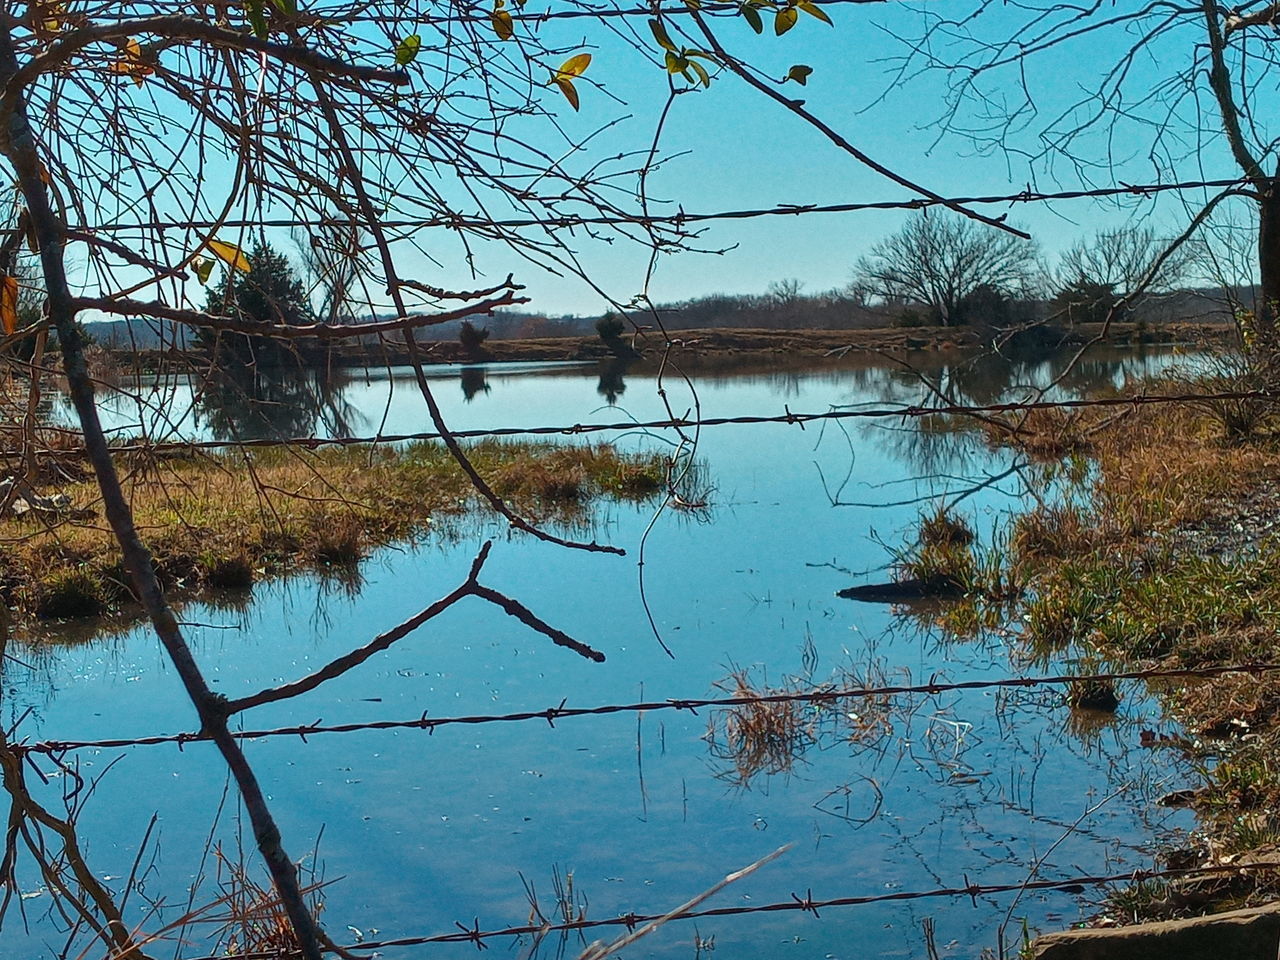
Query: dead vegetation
{"type": "Point", "coordinates": [228, 520]}
{"type": "Point", "coordinates": [1154, 547]}
{"type": "Point", "coordinates": [766, 738]}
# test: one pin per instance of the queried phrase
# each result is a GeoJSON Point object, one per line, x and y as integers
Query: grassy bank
{"type": "Point", "coordinates": [228, 520]}
{"type": "Point", "coordinates": [1156, 544]}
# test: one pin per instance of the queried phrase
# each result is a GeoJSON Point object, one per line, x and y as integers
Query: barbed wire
{"type": "Point", "coordinates": [693, 705]}
{"type": "Point", "coordinates": [805, 904]}
{"type": "Point", "coordinates": [678, 219]}
{"type": "Point", "coordinates": [789, 417]}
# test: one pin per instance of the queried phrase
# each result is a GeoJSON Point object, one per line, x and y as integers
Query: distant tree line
{"type": "Point", "coordinates": [939, 269]}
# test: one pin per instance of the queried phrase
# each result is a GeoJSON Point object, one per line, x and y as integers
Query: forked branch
{"type": "Point", "coordinates": [471, 587]}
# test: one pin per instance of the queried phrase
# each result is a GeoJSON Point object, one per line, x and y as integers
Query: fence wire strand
{"type": "Point", "coordinates": [693, 705]}
{"type": "Point", "coordinates": [807, 904]}
{"type": "Point", "coordinates": [686, 423]}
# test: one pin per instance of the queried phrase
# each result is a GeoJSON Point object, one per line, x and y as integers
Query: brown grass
{"type": "Point", "coordinates": [1119, 575]}
{"type": "Point", "coordinates": [227, 520]}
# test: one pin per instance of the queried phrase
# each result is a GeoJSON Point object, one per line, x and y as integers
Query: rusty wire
{"type": "Point", "coordinates": [561, 711]}
{"type": "Point", "coordinates": [683, 423]}
{"type": "Point", "coordinates": [681, 218]}
{"type": "Point", "coordinates": [807, 904]}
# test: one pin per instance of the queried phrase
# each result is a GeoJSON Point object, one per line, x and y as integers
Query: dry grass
{"type": "Point", "coordinates": [1157, 553]}
{"type": "Point", "coordinates": [769, 738]}
{"type": "Point", "coordinates": [230, 519]}
{"type": "Point", "coordinates": [760, 738]}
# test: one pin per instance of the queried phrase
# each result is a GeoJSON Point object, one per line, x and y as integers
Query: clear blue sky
{"type": "Point", "coordinates": [745, 151]}
{"type": "Point", "coordinates": [733, 148]}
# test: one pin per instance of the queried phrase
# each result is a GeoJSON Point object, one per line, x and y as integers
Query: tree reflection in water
{"type": "Point", "coordinates": [612, 385]}
{"type": "Point", "coordinates": [240, 401]}
{"type": "Point", "coordinates": [474, 380]}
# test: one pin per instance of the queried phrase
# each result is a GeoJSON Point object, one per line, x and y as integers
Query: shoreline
{"type": "Point", "coordinates": [710, 346]}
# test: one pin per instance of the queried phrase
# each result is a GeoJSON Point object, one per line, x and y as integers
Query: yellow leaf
{"type": "Point", "coordinates": [131, 63]}
{"type": "Point", "coordinates": [813, 10]}
{"type": "Point", "coordinates": [9, 303]}
{"type": "Point", "coordinates": [660, 34]}
{"type": "Point", "coordinates": [502, 24]}
{"type": "Point", "coordinates": [407, 50]}
{"type": "Point", "coordinates": [784, 20]}
{"type": "Point", "coordinates": [575, 66]}
{"type": "Point", "coordinates": [51, 15]}
{"type": "Point", "coordinates": [229, 253]}
{"type": "Point", "coordinates": [569, 91]}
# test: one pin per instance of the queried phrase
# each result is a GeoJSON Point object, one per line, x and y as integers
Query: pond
{"type": "Point", "coordinates": [419, 831]}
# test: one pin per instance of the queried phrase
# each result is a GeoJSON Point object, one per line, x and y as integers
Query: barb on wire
{"type": "Point", "coordinates": [682, 423]}
{"type": "Point", "coordinates": [560, 712]}
{"type": "Point", "coordinates": [803, 904]}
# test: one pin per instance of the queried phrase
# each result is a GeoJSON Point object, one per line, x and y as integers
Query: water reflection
{"type": "Point", "coordinates": [474, 380]}
{"type": "Point", "coordinates": [612, 385]}
{"type": "Point", "coordinates": [896, 794]}
{"type": "Point", "coordinates": [240, 401]}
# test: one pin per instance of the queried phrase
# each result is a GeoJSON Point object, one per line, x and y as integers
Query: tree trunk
{"type": "Point", "coordinates": [1267, 306]}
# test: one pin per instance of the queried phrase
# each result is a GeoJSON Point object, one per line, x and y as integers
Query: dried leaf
{"type": "Point", "coordinates": [813, 10]}
{"type": "Point", "coordinates": [502, 24]}
{"type": "Point", "coordinates": [230, 253]}
{"type": "Point", "coordinates": [799, 73]}
{"type": "Point", "coordinates": [9, 303]}
{"type": "Point", "coordinates": [569, 91]}
{"type": "Point", "coordinates": [575, 66]}
{"type": "Point", "coordinates": [660, 34]}
{"type": "Point", "coordinates": [131, 63]}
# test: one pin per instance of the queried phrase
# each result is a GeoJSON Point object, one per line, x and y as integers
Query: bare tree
{"type": "Point", "coordinates": [1124, 259]}
{"type": "Point", "coordinates": [1085, 94]}
{"type": "Point", "coordinates": [939, 259]}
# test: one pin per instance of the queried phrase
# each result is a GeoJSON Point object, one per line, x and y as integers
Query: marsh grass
{"type": "Point", "coordinates": [769, 738]}
{"type": "Point", "coordinates": [228, 520]}
{"type": "Point", "coordinates": [1157, 553]}
{"type": "Point", "coordinates": [972, 580]}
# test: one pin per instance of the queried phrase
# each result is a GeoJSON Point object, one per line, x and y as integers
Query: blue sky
{"type": "Point", "coordinates": [733, 148]}
{"type": "Point", "coordinates": [745, 151]}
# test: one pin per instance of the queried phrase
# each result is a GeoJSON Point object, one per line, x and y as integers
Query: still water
{"type": "Point", "coordinates": [420, 831]}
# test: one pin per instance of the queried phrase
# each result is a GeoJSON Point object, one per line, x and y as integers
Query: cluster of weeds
{"type": "Point", "coordinates": [1116, 576]}
{"type": "Point", "coordinates": [771, 736]}
{"type": "Point", "coordinates": [1049, 533]}
{"type": "Point", "coordinates": [947, 561]}
{"type": "Point", "coordinates": [942, 556]}
{"type": "Point", "coordinates": [759, 737]}
{"type": "Point", "coordinates": [225, 521]}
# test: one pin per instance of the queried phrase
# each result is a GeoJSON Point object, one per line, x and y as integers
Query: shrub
{"type": "Point", "coordinates": [610, 327]}
{"type": "Point", "coordinates": [472, 337]}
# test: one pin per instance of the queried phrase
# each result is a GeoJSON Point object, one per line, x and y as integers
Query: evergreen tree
{"type": "Point", "coordinates": [269, 293]}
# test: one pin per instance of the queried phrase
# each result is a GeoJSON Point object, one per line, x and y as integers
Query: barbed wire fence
{"type": "Point", "coordinates": [562, 711]}
{"type": "Point", "coordinates": [356, 100]}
